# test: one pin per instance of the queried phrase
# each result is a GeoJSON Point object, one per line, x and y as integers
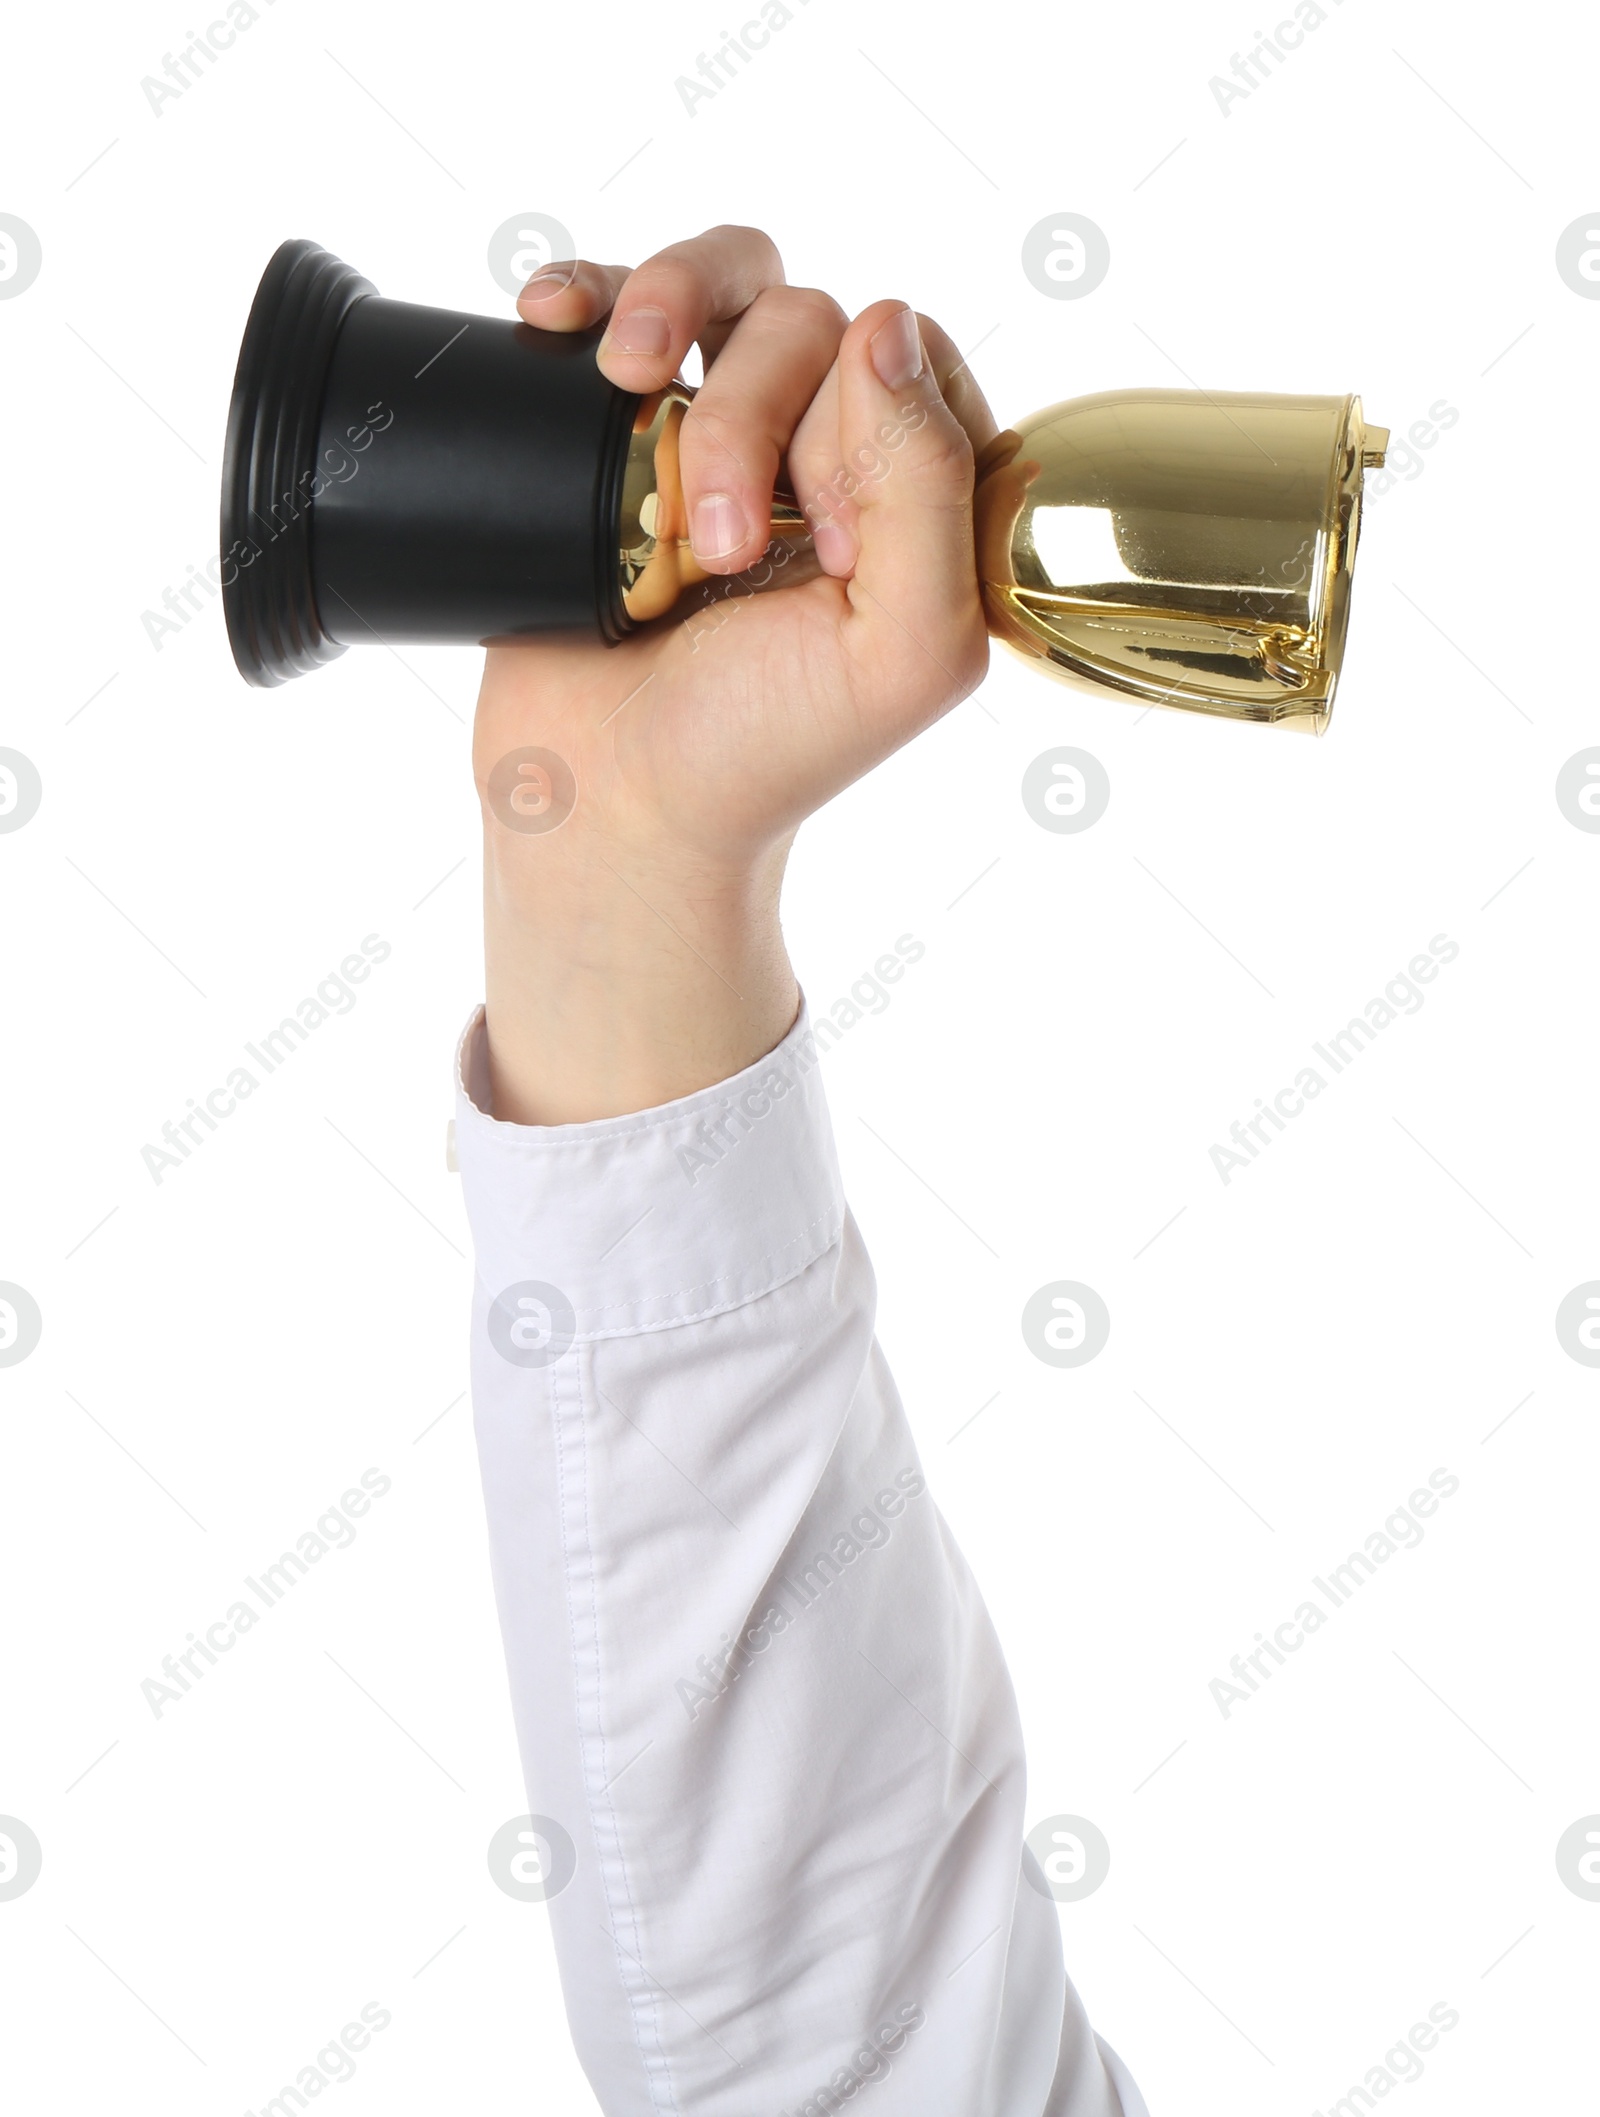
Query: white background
{"type": "Point", "coordinates": [1372, 1299]}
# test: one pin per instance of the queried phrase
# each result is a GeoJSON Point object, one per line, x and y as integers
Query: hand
{"type": "Point", "coordinates": [634, 954]}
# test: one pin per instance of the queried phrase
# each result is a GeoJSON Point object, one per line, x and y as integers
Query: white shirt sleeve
{"type": "Point", "coordinates": [756, 1690]}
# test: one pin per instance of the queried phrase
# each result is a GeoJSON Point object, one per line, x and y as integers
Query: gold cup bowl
{"type": "Point", "coordinates": [1183, 548]}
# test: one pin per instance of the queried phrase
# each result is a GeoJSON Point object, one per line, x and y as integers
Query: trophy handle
{"type": "Point", "coordinates": [656, 558]}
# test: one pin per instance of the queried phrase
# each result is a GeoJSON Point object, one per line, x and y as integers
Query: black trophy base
{"type": "Point", "coordinates": [396, 473]}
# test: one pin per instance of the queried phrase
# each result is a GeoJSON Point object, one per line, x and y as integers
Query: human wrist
{"type": "Point", "coordinates": [620, 978]}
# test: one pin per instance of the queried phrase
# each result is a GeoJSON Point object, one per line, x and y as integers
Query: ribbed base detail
{"type": "Point", "coordinates": [269, 467]}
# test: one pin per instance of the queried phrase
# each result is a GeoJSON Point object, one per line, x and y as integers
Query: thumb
{"type": "Point", "coordinates": [914, 586]}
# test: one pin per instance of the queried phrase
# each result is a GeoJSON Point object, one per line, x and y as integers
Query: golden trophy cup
{"type": "Point", "coordinates": [1178, 547]}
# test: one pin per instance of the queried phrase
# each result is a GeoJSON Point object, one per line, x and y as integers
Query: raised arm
{"type": "Point", "coordinates": [755, 1685]}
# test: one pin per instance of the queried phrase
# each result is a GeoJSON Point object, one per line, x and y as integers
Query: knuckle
{"type": "Point", "coordinates": [943, 454]}
{"type": "Point", "coordinates": [714, 424]}
{"type": "Point", "coordinates": [725, 433]}
{"type": "Point", "coordinates": [805, 307]}
{"type": "Point", "coordinates": [735, 232]}
{"type": "Point", "coordinates": [672, 280]}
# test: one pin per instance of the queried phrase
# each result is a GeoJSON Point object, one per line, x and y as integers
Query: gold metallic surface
{"type": "Point", "coordinates": [1179, 547]}
{"type": "Point", "coordinates": [1183, 548]}
{"type": "Point", "coordinates": [657, 564]}
{"type": "Point", "coordinates": [656, 559]}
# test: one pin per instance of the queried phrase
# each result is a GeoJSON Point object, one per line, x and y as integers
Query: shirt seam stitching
{"type": "Point", "coordinates": [834, 1223]}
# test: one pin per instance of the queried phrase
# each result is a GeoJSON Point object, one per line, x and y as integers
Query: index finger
{"type": "Point", "coordinates": [689, 292]}
{"type": "Point", "coordinates": [570, 295]}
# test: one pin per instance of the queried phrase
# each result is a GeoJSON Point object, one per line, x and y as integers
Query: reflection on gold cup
{"type": "Point", "coordinates": [1183, 548]}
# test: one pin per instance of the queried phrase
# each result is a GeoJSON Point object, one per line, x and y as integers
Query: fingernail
{"type": "Point", "coordinates": [553, 279]}
{"type": "Point", "coordinates": [719, 526]}
{"type": "Point", "coordinates": [896, 350]}
{"type": "Point", "coordinates": [640, 331]}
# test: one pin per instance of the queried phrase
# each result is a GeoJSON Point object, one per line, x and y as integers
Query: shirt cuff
{"type": "Point", "coordinates": [644, 1222]}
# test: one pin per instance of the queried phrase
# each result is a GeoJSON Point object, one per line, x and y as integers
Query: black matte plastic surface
{"type": "Point", "coordinates": [467, 462]}
{"type": "Point", "coordinates": [398, 473]}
